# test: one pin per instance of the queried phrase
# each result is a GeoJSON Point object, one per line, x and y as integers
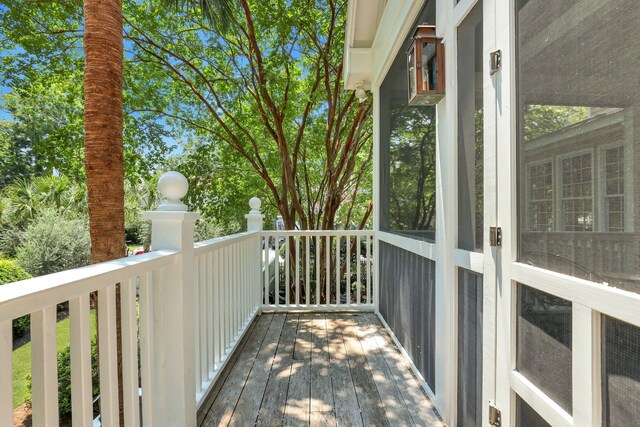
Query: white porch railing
{"type": "Point", "coordinates": [39, 298]}
{"type": "Point", "coordinates": [318, 269]}
{"type": "Point", "coordinates": [187, 306]}
{"type": "Point", "coordinates": [227, 297]}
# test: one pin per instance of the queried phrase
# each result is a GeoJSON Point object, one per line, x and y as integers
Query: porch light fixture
{"type": "Point", "coordinates": [361, 92]}
{"type": "Point", "coordinates": [425, 67]}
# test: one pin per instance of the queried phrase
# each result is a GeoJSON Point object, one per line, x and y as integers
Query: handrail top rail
{"type": "Point", "coordinates": [26, 296]}
{"type": "Point", "coordinates": [330, 233]}
{"type": "Point", "coordinates": [219, 242]}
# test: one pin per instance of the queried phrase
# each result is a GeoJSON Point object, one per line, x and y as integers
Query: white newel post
{"type": "Point", "coordinates": [254, 217]}
{"type": "Point", "coordinates": [173, 303]}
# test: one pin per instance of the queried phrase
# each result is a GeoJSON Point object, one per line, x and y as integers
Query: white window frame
{"type": "Point", "coordinates": [558, 211]}
{"type": "Point", "coordinates": [527, 194]}
{"type": "Point", "coordinates": [602, 187]}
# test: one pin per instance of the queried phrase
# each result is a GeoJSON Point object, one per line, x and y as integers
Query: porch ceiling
{"type": "Point", "coordinates": [363, 18]}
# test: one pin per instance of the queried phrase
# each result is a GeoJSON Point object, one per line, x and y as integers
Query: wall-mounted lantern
{"type": "Point", "coordinates": [425, 65]}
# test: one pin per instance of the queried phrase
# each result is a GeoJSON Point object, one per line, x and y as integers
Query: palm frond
{"type": "Point", "coordinates": [217, 13]}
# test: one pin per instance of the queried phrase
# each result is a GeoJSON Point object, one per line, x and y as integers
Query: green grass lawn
{"type": "Point", "coordinates": [22, 360]}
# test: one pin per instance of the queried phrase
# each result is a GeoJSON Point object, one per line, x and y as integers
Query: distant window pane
{"type": "Point", "coordinates": [544, 343]}
{"type": "Point", "coordinates": [614, 189]}
{"type": "Point", "coordinates": [620, 373]}
{"type": "Point", "coordinates": [577, 204]}
{"type": "Point", "coordinates": [578, 138]}
{"type": "Point", "coordinates": [470, 132]}
{"type": "Point", "coordinates": [541, 197]}
{"type": "Point", "coordinates": [407, 154]}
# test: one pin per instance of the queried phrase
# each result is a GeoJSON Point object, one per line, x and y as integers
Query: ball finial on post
{"type": "Point", "coordinates": [254, 204]}
{"type": "Point", "coordinates": [254, 217]}
{"type": "Point", "coordinates": [173, 186]}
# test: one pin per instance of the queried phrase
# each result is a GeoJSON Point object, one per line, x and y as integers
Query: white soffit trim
{"type": "Point", "coordinates": [363, 18]}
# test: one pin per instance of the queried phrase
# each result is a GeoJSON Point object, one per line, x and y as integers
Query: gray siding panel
{"type": "Point", "coordinates": [407, 304]}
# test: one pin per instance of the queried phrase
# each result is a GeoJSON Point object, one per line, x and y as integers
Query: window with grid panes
{"type": "Point", "coordinates": [614, 189]}
{"type": "Point", "coordinates": [541, 197]}
{"type": "Point", "coordinates": [577, 200]}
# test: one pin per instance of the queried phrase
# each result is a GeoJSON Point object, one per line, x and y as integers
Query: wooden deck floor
{"type": "Point", "coordinates": [320, 370]}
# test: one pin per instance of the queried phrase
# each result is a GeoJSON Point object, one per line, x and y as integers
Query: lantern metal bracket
{"type": "Point", "coordinates": [495, 60]}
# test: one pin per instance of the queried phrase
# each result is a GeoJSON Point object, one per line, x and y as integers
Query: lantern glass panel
{"type": "Point", "coordinates": [411, 66]}
{"type": "Point", "coordinates": [429, 66]}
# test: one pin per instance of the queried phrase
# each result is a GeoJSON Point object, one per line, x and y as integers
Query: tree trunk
{"type": "Point", "coordinates": [103, 149]}
{"type": "Point", "coordinates": [104, 153]}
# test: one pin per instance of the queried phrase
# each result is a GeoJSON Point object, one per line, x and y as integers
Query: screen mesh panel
{"type": "Point", "coordinates": [407, 152]}
{"type": "Point", "coordinates": [470, 132]}
{"type": "Point", "coordinates": [469, 348]}
{"type": "Point", "coordinates": [407, 304]}
{"type": "Point", "coordinates": [620, 373]}
{"type": "Point", "coordinates": [544, 343]}
{"type": "Point", "coordinates": [527, 417]}
{"type": "Point", "coordinates": [578, 138]}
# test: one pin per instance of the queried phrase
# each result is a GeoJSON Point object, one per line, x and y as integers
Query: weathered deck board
{"type": "Point", "coordinates": [390, 392]}
{"type": "Point", "coordinates": [297, 409]}
{"type": "Point", "coordinates": [275, 394]}
{"type": "Point", "coordinates": [371, 407]}
{"type": "Point", "coordinates": [345, 399]}
{"type": "Point", "coordinates": [420, 407]}
{"type": "Point", "coordinates": [248, 406]}
{"type": "Point", "coordinates": [321, 404]}
{"type": "Point", "coordinates": [225, 402]}
{"type": "Point", "coordinates": [321, 370]}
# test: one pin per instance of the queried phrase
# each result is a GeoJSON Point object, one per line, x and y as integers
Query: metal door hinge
{"type": "Point", "coordinates": [495, 236]}
{"type": "Point", "coordinates": [494, 415]}
{"type": "Point", "coordinates": [495, 60]}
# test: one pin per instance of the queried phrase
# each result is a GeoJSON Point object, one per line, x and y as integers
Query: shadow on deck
{"type": "Point", "coordinates": [317, 369]}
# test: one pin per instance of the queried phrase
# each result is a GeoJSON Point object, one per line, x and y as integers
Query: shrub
{"type": "Point", "coordinates": [53, 243]}
{"type": "Point", "coordinates": [64, 377]}
{"type": "Point", "coordinates": [11, 272]}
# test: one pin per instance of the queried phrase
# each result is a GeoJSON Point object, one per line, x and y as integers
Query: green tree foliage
{"type": "Point", "coordinates": [540, 120]}
{"type": "Point", "coordinates": [45, 133]}
{"type": "Point", "coordinates": [42, 65]}
{"type": "Point", "coordinates": [258, 105]}
{"type": "Point", "coordinates": [412, 168]}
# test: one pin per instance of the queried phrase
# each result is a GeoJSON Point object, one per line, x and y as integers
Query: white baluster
{"type": "Point", "coordinates": [44, 367]}
{"type": "Point", "coordinates": [6, 374]}
{"type": "Point", "coordinates": [359, 267]}
{"type": "Point", "coordinates": [307, 270]}
{"type": "Point", "coordinates": [108, 355]}
{"type": "Point", "coordinates": [80, 331]}
{"type": "Point", "coordinates": [129, 319]}
{"type": "Point", "coordinates": [147, 360]}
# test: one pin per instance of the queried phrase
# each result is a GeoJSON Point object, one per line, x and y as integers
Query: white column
{"type": "Point", "coordinates": [173, 301]}
{"type": "Point", "coordinates": [254, 218]}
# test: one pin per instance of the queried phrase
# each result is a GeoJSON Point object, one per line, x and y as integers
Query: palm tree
{"type": "Point", "coordinates": [104, 151]}
{"type": "Point", "coordinates": [218, 13]}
